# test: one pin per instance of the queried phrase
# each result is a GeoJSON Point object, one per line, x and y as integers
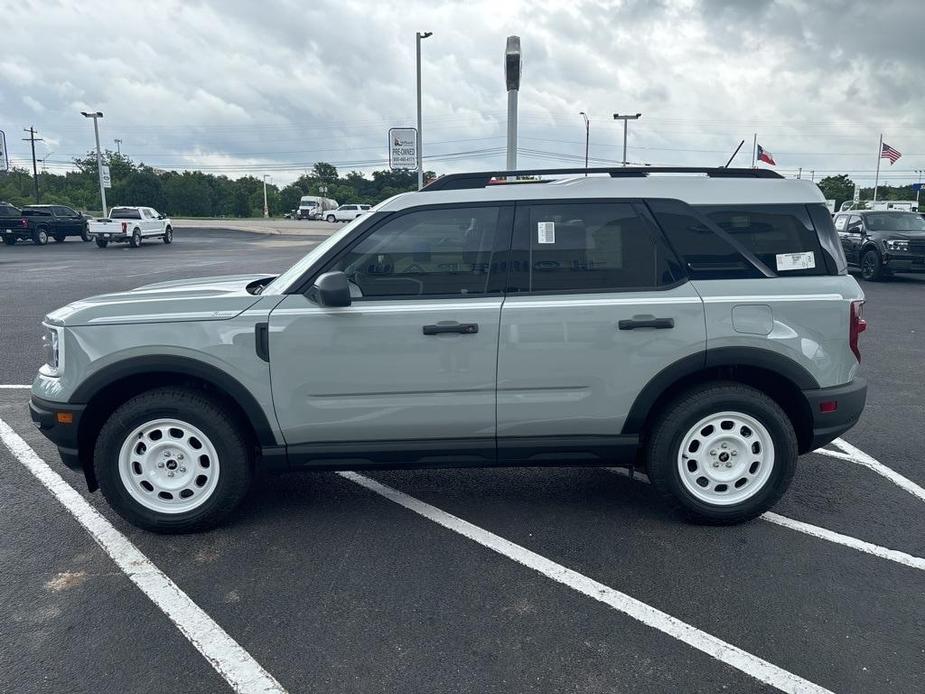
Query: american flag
{"type": "Point", "coordinates": [887, 152]}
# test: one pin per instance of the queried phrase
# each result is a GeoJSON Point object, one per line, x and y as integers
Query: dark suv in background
{"type": "Point", "coordinates": [882, 242]}
{"type": "Point", "coordinates": [38, 223]}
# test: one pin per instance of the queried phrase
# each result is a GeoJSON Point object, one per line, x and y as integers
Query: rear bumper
{"type": "Point", "coordinates": [47, 416]}
{"type": "Point", "coordinates": [849, 399]}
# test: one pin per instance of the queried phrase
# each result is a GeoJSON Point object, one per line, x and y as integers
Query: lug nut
{"type": "Point", "coordinates": [182, 469]}
{"type": "Point", "coordinates": [180, 457]}
{"type": "Point", "coordinates": [160, 464]}
{"type": "Point", "coordinates": [715, 464]}
{"type": "Point", "coordinates": [723, 446]}
{"type": "Point", "coordinates": [735, 452]}
{"type": "Point", "coordinates": [170, 473]}
{"type": "Point", "coordinates": [728, 464]}
{"type": "Point", "coordinates": [713, 452]}
{"type": "Point", "coordinates": [166, 454]}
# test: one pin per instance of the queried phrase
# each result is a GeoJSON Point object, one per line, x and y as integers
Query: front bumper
{"type": "Point", "coordinates": [904, 262]}
{"type": "Point", "coordinates": [59, 422]}
{"type": "Point", "coordinates": [849, 402]}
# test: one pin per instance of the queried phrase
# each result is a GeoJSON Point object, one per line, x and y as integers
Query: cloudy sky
{"type": "Point", "coordinates": [272, 86]}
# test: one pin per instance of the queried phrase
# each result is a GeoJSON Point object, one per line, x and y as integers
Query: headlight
{"type": "Point", "coordinates": [897, 245]}
{"type": "Point", "coordinates": [53, 347]}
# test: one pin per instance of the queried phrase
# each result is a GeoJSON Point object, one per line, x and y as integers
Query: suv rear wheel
{"type": "Point", "coordinates": [172, 460]}
{"type": "Point", "coordinates": [722, 453]}
{"type": "Point", "coordinates": [40, 236]}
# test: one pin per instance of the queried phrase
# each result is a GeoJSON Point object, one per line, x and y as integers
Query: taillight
{"type": "Point", "coordinates": [24, 222]}
{"type": "Point", "coordinates": [856, 326]}
{"type": "Point", "coordinates": [124, 227]}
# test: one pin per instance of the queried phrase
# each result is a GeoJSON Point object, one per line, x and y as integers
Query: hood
{"type": "Point", "coordinates": [206, 298]}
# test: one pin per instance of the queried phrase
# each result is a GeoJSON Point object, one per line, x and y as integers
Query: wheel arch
{"type": "Point", "coordinates": [114, 385]}
{"type": "Point", "coordinates": [778, 376]}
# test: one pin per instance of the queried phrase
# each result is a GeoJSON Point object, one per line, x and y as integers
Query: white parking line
{"type": "Point", "coordinates": [856, 455]}
{"type": "Point", "coordinates": [12, 386]}
{"type": "Point", "coordinates": [236, 665]}
{"type": "Point", "coordinates": [816, 531]}
{"type": "Point", "coordinates": [716, 648]}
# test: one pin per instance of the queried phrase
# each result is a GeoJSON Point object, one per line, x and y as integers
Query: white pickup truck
{"type": "Point", "coordinates": [132, 225]}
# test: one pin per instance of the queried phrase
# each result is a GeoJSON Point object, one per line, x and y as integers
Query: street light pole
{"type": "Point", "coordinates": [99, 155]}
{"type": "Point", "coordinates": [512, 81]}
{"type": "Point", "coordinates": [266, 209]}
{"type": "Point", "coordinates": [625, 118]}
{"type": "Point", "coordinates": [420, 138]}
{"type": "Point", "coordinates": [587, 136]}
{"type": "Point", "coordinates": [919, 189]}
{"type": "Point", "coordinates": [118, 142]}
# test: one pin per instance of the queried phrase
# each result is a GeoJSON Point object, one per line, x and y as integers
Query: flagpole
{"type": "Point", "coordinates": [879, 157]}
{"type": "Point", "coordinates": [754, 150]}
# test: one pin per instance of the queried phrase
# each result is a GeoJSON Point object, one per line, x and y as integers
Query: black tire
{"type": "Point", "coordinates": [871, 267]}
{"type": "Point", "coordinates": [168, 235]}
{"type": "Point", "coordinates": [666, 437]}
{"type": "Point", "coordinates": [40, 236]}
{"type": "Point", "coordinates": [331, 218]}
{"type": "Point", "coordinates": [135, 241]}
{"type": "Point", "coordinates": [102, 243]}
{"type": "Point", "coordinates": [85, 234]}
{"type": "Point", "coordinates": [59, 238]}
{"type": "Point", "coordinates": [9, 240]}
{"type": "Point", "coordinates": [202, 411]}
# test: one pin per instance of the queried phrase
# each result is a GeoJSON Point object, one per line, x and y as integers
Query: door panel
{"type": "Point", "coordinates": [566, 368]}
{"type": "Point", "coordinates": [368, 372]}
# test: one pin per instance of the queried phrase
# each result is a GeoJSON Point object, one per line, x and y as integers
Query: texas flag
{"type": "Point", "coordinates": [765, 156]}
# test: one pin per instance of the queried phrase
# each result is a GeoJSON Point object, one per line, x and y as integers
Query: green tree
{"type": "Point", "coordinates": [325, 172]}
{"type": "Point", "coordinates": [838, 188]}
{"type": "Point", "coordinates": [289, 198]}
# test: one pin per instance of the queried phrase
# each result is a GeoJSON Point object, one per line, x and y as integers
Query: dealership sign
{"type": "Point", "coordinates": [403, 151]}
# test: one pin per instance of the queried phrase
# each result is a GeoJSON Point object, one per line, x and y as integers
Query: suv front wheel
{"type": "Point", "coordinates": [722, 453]}
{"type": "Point", "coordinates": [172, 460]}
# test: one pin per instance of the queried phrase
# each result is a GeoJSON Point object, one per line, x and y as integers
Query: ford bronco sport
{"type": "Point", "coordinates": [697, 323]}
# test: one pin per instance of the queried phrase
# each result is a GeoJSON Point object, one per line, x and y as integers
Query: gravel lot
{"type": "Point", "coordinates": [504, 580]}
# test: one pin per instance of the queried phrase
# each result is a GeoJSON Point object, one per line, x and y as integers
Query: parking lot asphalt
{"type": "Point", "coordinates": [332, 587]}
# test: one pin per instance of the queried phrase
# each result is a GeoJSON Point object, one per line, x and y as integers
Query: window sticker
{"type": "Point", "coordinates": [796, 261]}
{"type": "Point", "coordinates": [545, 232]}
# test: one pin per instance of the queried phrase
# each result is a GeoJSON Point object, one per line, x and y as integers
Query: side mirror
{"type": "Point", "coordinates": [331, 289]}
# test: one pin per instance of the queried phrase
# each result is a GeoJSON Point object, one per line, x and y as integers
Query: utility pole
{"type": "Point", "coordinates": [587, 136]}
{"type": "Point", "coordinates": [266, 209]}
{"type": "Point", "coordinates": [879, 157]}
{"type": "Point", "coordinates": [512, 80]}
{"type": "Point", "coordinates": [35, 170]}
{"type": "Point", "coordinates": [118, 145]}
{"type": "Point", "coordinates": [99, 155]}
{"type": "Point", "coordinates": [625, 119]}
{"type": "Point", "coordinates": [419, 36]}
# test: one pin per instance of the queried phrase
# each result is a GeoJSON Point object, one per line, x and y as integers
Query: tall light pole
{"type": "Point", "coordinates": [419, 36]}
{"type": "Point", "coordinates": [625, 118]}
{"type": "Point", "coordinates": [266, 209]}
{"type": "Point", "coordinates": [99, 155]}
{"type": "Point", "coordinates": [587, 135]}
{"type": "Point", "coordinates": [118, 142]}
{"type": "Point", "coordinates": [512, 80]}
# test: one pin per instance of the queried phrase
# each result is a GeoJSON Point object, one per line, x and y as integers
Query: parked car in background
{"type": "Point", "coordinates": [9, 219]}
{"type": "Point", "coordinates": [131, 225]}
{"type": "Point", "coordinates": [38, 223]}
{"type": "Point", "coordinates": [882, 242]}
{"type": "Point", "coordinates": [346, 213]}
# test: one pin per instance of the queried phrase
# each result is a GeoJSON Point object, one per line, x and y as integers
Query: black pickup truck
{"type": "Point", "coordinates": [38, 223]}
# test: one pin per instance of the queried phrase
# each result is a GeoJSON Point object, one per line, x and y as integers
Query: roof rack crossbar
{"type": "Point", "coordinates": [481, 179]}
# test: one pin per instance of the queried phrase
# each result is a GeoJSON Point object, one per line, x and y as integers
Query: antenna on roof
{"type": "Point", "coordinates": [734, 154]}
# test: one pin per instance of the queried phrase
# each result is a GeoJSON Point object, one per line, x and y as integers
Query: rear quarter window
{"type": "Point", "coordinates": [27, 212]}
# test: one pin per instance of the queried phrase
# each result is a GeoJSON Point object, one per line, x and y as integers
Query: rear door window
{"type": "Point", "coordinates": [588, 247]}
{"type": "Point", "coordinates": [8, 211]}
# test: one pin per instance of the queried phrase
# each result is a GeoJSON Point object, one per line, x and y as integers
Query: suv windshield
{"type": "Point", "coordinates": [895, 221]}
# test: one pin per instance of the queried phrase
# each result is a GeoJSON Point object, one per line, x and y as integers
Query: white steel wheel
{"type": "Point", "coordinates": [726, 458]}
{"type": "Point", "coordinates": [168, 466]}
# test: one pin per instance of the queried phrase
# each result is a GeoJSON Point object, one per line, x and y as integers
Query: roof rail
{"type": "Point", "coordinates": [481, 179]}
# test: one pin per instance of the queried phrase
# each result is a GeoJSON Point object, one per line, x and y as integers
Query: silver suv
{"type": "Point", "coordinates": [697, 323]}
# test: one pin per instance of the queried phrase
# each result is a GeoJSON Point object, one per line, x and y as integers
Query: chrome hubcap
{"type": "Point", "coordinates": [168, 466]}
{"type": "Point", "coordinates": [726, 458]}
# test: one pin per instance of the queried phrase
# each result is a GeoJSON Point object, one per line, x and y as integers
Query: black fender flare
{"type": "Point", "coordinates": [185, 366]}
{"type": "Point", "coordinates": [713, 358]}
